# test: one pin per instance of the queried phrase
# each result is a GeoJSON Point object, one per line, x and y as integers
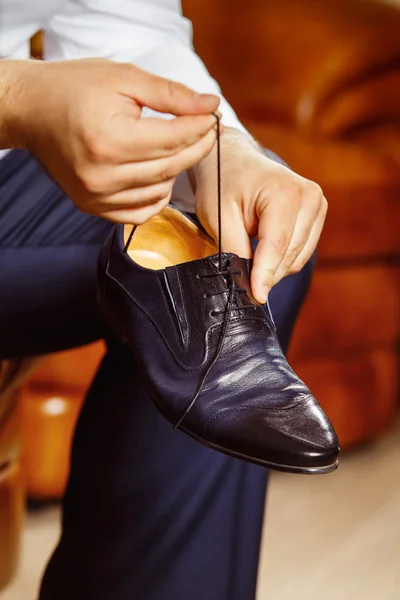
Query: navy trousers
{"type": "Point", "coordinates": [149, 514]}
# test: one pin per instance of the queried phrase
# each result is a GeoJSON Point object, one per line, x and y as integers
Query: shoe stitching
{"type": "Point", "coordinates": [273, 409]}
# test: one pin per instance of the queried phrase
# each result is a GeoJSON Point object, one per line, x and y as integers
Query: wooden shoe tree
{"type": "Point", "coordinates": [168, 239]}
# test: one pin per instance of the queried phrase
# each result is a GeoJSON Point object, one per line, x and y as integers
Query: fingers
{"type": "Point", "coordinates": [135, 216]}
{"type": "Point", "coordinates": [306, 218]}
{"type": "Point", "coordinates": [234, 235]}
{"type": "Point", "coordinates": [151, 172]}
{"type": "Point", "coordinates": [289, 230]}
{"type": "Point", "coordinates": [168, 96]}
{"type": "Point", "coordinates": [111, 179]}
{"type": "Point", "coordinates": [311, 243]}
{"type": "Point", "coordinates": [149, 139]}
{"type": "Point", "coordinates": [137, 197]}
{"type": "Point", "coordinates": [277, 220]}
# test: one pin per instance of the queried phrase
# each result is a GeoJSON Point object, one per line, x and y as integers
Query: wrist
{"type": "Point", "coordinates": [16, 81]}
{"type": "Point", "coordinates": [235, 145]}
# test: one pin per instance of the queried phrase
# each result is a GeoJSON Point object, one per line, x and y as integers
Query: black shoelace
{"type": "Point", "coordinates": [232, 289]}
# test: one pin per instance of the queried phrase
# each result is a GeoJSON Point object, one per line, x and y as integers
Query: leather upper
{"type": "Point", "coordinates": [173, 320]}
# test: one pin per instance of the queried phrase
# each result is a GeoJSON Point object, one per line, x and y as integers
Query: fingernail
{"type": "Point", "coordinates": [206, 97]}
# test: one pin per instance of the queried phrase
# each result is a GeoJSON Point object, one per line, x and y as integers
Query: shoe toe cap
{"type": "Point", "coordinates": [296, 438]}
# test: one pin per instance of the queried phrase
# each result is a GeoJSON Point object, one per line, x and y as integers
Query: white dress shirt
{"type": "Point", "coordinates": [152, 34]}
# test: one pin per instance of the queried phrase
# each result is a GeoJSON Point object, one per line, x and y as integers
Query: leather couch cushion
{"type": "Point", "coordinates": [290, 61]}
{"type": "Point", "coordinates": [359, 394]}
{"type": "Point", "coordinates": [361, 183]}
{"type": "Point", "coordinates": [348, 309]}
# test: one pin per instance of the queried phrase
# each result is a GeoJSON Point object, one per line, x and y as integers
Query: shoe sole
{"type": "Point", "coordinates": [316, 470]}
{"type": "Point", "coordinates": [320, 470]}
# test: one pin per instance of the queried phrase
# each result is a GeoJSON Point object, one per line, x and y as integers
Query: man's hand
{"type": "Point", "coordinates": [260, 198]}
{"type": "Point", "coordinates": [82, 120]}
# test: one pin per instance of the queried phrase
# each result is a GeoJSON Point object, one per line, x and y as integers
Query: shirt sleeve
{"type": "Point", "coordinates": [153, 35]}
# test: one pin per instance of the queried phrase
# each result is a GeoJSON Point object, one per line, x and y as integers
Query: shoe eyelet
{"type": "Point", "coordinates": [198, 276]}
{"type": "Point", "coordinates": [206, 296]}
{"type": "Point", "coordinates": [212, 313]}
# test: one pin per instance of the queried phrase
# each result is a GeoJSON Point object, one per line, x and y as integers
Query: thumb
{"type": "Point", "coordinates": [234, 235]}
{"type": "Point", "coordinates": [235, 239]}
{"type": "Point", "coordinates": [168, 96]}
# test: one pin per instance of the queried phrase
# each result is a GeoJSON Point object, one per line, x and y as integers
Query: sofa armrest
{"type": "Point", "coordinates": [327, 68]}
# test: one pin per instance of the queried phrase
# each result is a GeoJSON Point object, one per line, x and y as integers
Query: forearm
{"type": "Point", "coordinates": [13, 100]}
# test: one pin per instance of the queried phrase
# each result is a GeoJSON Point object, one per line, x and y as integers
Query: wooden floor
{"type": "Point", "coordinates": [331, 537]}
{"type": "Point", "coordinates": [337, 536]}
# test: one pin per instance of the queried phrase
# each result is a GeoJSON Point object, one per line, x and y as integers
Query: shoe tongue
{"type": "Point", "coordinates": [242, 268]}
{"type": "Point", "coordinates": [236, 262]}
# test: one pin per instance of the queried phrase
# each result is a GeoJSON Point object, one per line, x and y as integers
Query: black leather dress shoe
{"type": "Point", "coordinates": [211, 358]}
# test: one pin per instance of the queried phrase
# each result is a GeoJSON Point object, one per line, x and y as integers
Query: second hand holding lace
{"type": "Point", "coordinates": [232, 287]}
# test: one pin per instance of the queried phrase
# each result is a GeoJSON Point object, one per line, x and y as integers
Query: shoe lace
{"type": "Point", "coordinates": [232, 289]}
